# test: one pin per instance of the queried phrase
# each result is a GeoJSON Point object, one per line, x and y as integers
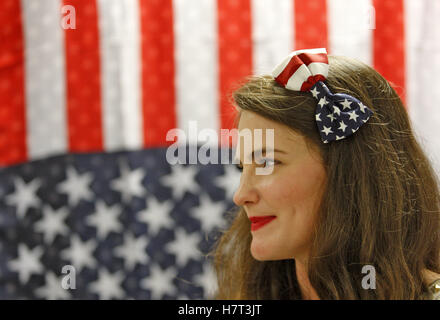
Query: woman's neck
{"type": "Point", "coordinates": [307, 291]}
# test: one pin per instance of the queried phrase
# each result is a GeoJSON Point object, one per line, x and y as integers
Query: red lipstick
{"type": "Point", "coordinates": [258, 222]}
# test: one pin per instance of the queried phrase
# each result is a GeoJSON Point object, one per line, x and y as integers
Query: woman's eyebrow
{"type": "Point", "coordinates": [264, 150]}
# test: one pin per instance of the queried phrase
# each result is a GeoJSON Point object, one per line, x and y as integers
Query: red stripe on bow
{"type": "Point", "coordinates": [311, 82]}
{"type": "Point", "coordinates": [293, 65]}
{"type": "Point", "coordinates": [296, 62]}
{"type": "Point", "coordinates": [308, 58]}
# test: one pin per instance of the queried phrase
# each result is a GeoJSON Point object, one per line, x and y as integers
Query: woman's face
{"type": "Point", "coordinates": [291, 192]}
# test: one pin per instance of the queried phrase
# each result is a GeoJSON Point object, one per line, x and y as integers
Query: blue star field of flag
{"type": "Point", "coordinates": [132, 226]}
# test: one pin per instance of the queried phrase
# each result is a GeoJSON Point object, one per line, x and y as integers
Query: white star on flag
{"type": "Point", "coordinates": [80, 254]}
{"type": "Point", "coordinates": [24, 196]}
{"type": "Point", "coordinates": [229, 181]}
{"type": "Point", "coordinates": [181, 180]}
{"type": "Point", "coordinates": [156, 215]}
{"type": "Point", "coordinates": [27, 263]}
{"type": "Point", "coordinates": [52, 290]}
{"type": "Point", "coordinates": [207, 280]}
{"type": "Point", "coordinates": [209, 213]}
{"type": "Point", "coordinates": [105, 219]}
{"type": "Point", "coordinates": [52, 223]}
{"type": "Point", "coordinates": [160, 282]}
{"type": "Point", "coordinates": [129, 184]}
{"type": "Point", "coordinates": [77, 186]}
{"type": "Point", "coordinates": [185, 247]}
{"type": "Point", "coordinates": [133, 251]}
{"type": "Point", "coordinates": [109, 285]}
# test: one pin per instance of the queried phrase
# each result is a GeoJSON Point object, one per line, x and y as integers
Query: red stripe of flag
{"type": "Point", "coordinates": [310, 19]}
{"type": "Point", "coordinates": [158, 71]}
{"type": "Point", "coordinates": [12, 96]}
{"type": "Point", "coordinates": [389, 43]}
{"type": "Point", "coordinates": [83, 85]}
{"type": "Point", "coordinates": [235, 53]}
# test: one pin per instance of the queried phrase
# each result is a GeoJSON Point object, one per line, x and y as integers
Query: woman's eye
{"type": "Point", "coordinates": [269, 162]}
{"type": "Point", "coordinates": [266, 162]}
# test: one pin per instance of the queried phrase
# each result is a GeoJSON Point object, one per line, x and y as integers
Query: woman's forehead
{"type": "Point", "coordinates": [255, 123]}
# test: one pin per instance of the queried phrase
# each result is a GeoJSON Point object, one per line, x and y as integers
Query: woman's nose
{"type": "Point", "coordinates": [246, 192]}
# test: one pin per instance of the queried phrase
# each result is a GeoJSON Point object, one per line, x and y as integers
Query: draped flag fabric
{"type": "Point", "coordinates": [89, 90]}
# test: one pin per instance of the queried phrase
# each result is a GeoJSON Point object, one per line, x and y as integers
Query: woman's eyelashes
{"type": "Point", "coordinates": [264, 162]}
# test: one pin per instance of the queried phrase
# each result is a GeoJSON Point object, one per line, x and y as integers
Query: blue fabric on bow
{"type": "Point", "coordinates": [337, 115]}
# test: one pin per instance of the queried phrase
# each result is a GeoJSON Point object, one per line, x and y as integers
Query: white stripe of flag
{"type": "Point", "coordinates": [195, 30]}
{"type": "Point", "coordinates": [272, 33]}
{"type": "Point", "coordinates": [120, 74]}
{"type": "Point", "coordinates": [44, 78]}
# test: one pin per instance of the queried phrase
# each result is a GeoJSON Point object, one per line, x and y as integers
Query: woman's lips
{"type": "Point", "coordinates": [258, 222]}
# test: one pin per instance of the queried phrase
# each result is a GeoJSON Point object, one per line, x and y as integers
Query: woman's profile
{"type": "Point", "coordinates": [356, 216]}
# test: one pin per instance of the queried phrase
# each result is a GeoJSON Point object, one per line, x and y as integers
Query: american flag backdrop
{"type": "Point", "coordinates": [84, 114]}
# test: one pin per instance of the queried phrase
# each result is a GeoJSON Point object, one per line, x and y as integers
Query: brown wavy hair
{"type": "Point", "coordinates": [381, 206]}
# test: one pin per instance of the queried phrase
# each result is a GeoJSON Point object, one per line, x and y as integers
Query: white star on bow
{"type": "Point", "coordinates": [327, 130]}
{"type": "Point", "coordinates": [315, 92]}
{"type": "Point", "coordinates": [346, 104]}
{"type": "Point", "coordinates": [342, 126]}
{"type": "Point", "coordinates": [322, 101]}
{"type": "Point", "coordinates": [353, 115]}
{"type": "Point", "coordinates": [317, 117]}
{"type": "Point", "coordinates": [331, 117]}
{"type": "Point", "coordinates": [362, 107]}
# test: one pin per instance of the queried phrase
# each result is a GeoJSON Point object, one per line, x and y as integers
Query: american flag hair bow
{"type": "Point", "coordinates": [337, 115]}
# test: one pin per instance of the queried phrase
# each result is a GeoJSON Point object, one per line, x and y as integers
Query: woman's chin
{"type": "Point", "coordinates": [261, 251]}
